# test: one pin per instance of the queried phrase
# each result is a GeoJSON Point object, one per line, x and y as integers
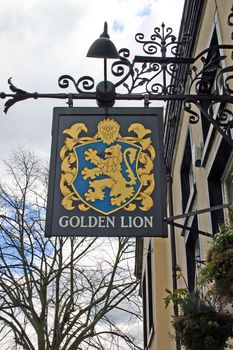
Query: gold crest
{"type": "Point", "coordinates": [107, 172]}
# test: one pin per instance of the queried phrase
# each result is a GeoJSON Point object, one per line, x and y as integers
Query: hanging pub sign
{"type": "Point", "coordinates": [106, 173]}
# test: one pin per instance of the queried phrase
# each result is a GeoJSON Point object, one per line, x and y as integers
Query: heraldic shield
{"type": "Point", "coordinates": [107, 171]}
{"type": "Point", "coordinates": [107, 175]}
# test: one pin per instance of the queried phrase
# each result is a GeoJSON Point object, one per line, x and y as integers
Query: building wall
{"type": "Point", "coordinates": [192, 143]}
{"type": "Point", "coordinates": [158, 336]}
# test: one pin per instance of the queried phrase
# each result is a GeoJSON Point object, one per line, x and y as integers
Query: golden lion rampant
{"type": "Point", "coordinates": [110, 165]}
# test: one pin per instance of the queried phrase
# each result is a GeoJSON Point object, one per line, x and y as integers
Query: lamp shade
{"type": "Point", "coordinates": [103, 47]}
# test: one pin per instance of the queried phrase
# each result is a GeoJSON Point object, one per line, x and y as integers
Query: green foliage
{"type": "Point", "coordinates": [195, 302]}
{"type": "Point", "coordinates": [200, 325]}
{"type": "Point", "coordinates": [224, 237]}
{"type": "Point", "coordinates": [188, 302]}
{"type": "Point", "coordinates": [219, 267]}
{"type": "Point", "coordinates": [204, 330]}
{"type": "Point", "coordinates": [175, 297]}
{"type": "Point", "coordinates": [230, 214]}
{"type": "Point", "coordinates": [208, 273]}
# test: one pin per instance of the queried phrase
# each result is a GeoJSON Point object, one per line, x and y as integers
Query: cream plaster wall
{"type": "Point", "coordinates": [215, 12]}
{"type": "Point", "coordinates": [161, 274]}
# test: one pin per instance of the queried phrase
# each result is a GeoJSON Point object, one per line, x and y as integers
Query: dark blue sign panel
{"type": "Point", "coordinates": [107, 173]}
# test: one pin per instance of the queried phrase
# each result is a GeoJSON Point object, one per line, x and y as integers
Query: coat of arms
{"type": "Point", "coordinates": [107, 172]}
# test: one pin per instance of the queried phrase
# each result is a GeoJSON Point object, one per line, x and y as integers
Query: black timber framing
{"type": "Point", "coordinates": [190, 23]}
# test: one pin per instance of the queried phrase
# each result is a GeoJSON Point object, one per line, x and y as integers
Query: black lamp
{"type": "Point", "coordinates": [104, 48]}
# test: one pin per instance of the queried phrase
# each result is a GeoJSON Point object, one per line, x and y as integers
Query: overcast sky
{"type": "Point", "coordinates": [42, 39]}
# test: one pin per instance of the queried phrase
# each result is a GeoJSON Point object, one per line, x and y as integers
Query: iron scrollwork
{"type": "Point", "coordinates": [83, 84]}
{"type": "Point", "coordinates": [213, 93]}
{"type": "Point", "coordinates": [161, 74]}
{"type": "Point", "coordinates": [163, 39]}
{"type": "Point", "coordinates": [152, 74]}
{"type": "Point", "coordinates": [19, 95]}
{"type": "Point", "coordinates": [221, 117]}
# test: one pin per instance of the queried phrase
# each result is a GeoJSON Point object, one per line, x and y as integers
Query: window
{"type": "Point", "coordinates": [144, 293]}
{"type": "Point", "coordinates": [150, 288]}
{"type": "Point", "coordinates": [208, 83]}
{"type": "Point", "coordinates": [215, 183]}
{"type": "Point", "coordinates": [148, 303]}
{"type": "Point", "coordinates": [227, 182]}
{"type": "Point", "coordinates": [186, 174]}
{"type": "Point", "coordinates": [192, 251]}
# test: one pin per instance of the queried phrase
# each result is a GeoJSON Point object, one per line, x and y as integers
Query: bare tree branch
{"type": "Point", "coordinates": [59, 294]}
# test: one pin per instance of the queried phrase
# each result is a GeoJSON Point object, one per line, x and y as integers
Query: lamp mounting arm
{"type": "Point", "coordinates": [154, 77]}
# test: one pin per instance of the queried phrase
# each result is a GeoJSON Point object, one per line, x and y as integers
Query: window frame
{"type": "Point", "coordinates": [148, 299]}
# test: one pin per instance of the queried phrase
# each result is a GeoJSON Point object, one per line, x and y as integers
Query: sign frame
{"type": "Point", "coordinates": [121, 220]}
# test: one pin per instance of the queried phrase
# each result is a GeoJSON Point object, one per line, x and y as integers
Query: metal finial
{"type": "Point", "coordinates": [105, 32]}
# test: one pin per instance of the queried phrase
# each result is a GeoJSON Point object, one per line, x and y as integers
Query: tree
{"type": "Point", "coordinates": [59, 293]}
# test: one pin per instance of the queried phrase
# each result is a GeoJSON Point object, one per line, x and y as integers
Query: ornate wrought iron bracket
{"type": "Point", "coordinates": [203, 84]}
{"type": "Point", "coordinates": [171, 220]}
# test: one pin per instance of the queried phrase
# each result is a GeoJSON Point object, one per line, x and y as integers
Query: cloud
{"type": "Point", "coordinates": [41, 40]}
{"type": "Point", "coordinates": [118, 26]}
{"type": "Point", "coordinates": [146, 11]}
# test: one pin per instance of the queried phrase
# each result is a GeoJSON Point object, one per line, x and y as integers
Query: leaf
{"type": "Point", "coordinates": [178, 276]}
{"type": "Point", "coordinates": [144, 65]}
{"type": "Point", "coordinates": [168, 291]}
{"type": "Point", "coordinates": [182, 291]}
{"type": "Point", "coordinates": [142, 82]}
{"type": "Point", "coordinates": [167, 302]}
